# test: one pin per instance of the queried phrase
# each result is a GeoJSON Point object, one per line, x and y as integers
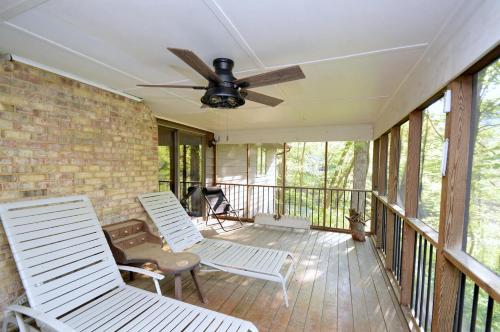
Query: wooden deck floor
{"type": "Point", "coordinates": [338, 286]}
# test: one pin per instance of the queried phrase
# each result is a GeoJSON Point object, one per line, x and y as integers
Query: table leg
{"type": "Point", "coordinates": [198, 286]}
{"type": "Point", "coordinates": [178, 286]}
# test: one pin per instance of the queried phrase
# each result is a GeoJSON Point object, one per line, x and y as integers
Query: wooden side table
{"type": "Point", "coordinates": [133, 243]}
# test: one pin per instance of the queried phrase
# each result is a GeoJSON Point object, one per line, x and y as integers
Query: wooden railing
{"type": "Point", "coordinates": [482, 284]}
{"type": "Point", "coordinates": [324, 208]}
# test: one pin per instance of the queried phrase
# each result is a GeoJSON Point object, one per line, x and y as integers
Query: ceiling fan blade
{"type": "Point", "coordinates": [196, 63]}
{"type": "Point", "coordinates": [261, 98]}
{"type": "Point", "coordinates": [195, 87]}
{"type": "Point", "coordinates": [273, 77]}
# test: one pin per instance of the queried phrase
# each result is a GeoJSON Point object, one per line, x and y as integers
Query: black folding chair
{"type": "Point", "coordinates": [218, 206]}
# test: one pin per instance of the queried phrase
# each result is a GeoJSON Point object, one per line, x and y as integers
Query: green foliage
{"type": "Point", "coordinates": [305, 167]}
{"type": "Point", "coordinates": [164, 162]}
{"type": "Point", "coordinates": [403, 157]}
{"type": "Point", "coordinates": [430, 164]}
{"type": "Point", "coordinates": [484, 205]}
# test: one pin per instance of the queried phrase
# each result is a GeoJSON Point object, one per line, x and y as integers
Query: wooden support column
{"type": "Point", "coordinates": [381, 183]}
{"type": "Point", "coordinates": [453, 202]}
{"type": "Point", "coordinates": [392, 187]}
{"type": "Point", "coordinates": [283, 182]}
{"type": "Point", "coordinates": [374, 184]}
{"type": "Point", "coordinates": [247, 191]}
{"type": "Point", "coordinates": [325, 180]}
{"type": "Point", "coordinates": [175, 165]}
{"type": "Point", "coordinates": [411, 203]}
{"type": "Point", "coordinates": [214, 178]}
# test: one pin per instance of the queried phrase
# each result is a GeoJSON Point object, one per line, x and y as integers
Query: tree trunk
{"type": "Point", "coordinates": [361, 158]}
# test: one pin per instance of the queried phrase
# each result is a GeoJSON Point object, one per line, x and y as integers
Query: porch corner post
{"type": "Point", "coordinates": [411, 204]}
{"type": "Point", "coordinates": [453, 200]}
{"type": "Point", "coordinates": [382, 177]}
{"type": "Point", "coordinates": [283, 182]}
{"type": "Point", "coordinates": [247, 187]}
{"type": "Point", "coordinates": [392, 187]}
{"type": "Point", "coordinates": [325, 184]}
{"type": "Point", "coordinates": [375, 155]}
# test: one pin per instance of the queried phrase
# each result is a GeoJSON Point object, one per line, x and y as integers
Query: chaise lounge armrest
{"type": "Point", "coordinates": [43, 318]}
{"type": "Point", "coordinates": [156, 276]}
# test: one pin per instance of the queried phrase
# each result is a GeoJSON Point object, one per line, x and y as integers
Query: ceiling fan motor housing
{"type": "Point", "coordinates": [224, 94]}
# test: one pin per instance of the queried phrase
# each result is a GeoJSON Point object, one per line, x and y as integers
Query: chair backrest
{"type": "Point", "coordinates": [60, 251]}
{"type": "Point", "coordinates": [216, 200]}
{"type": "Point", "coordinates": [171, 219]}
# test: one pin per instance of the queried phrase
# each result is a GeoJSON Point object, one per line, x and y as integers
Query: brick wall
{"type": "Point", "coordinates": [61, 137]}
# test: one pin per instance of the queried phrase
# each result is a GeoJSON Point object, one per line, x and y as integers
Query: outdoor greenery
{"type": "Point", "coordinates": [403, 157]}
{"type": "Point", "coordinates": [431, 152]}
{"type": "Point", "coordinates": [483, 239]}
{"type": "Point", "coordinates": [164, 162]}
{"type": "Point", "coordinates": [347, 167]}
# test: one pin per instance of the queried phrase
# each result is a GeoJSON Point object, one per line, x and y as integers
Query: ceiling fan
{"type": "Point", "coordinates": [226, 91]}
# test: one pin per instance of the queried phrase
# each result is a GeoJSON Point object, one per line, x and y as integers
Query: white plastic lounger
{"type": "Point", "coordinates": [181, 234]}
{"type": "Point", "coordinates": [73, 283]}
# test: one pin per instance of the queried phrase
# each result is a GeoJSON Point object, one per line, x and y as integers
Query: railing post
{"type": "Point", "coordinates": [325, 184]}
{"type": "Point", "coordinates": [453, 201]}
{"type": "Point", "coordinates": [282, 207]}
{"type": "Point", "coordinates": [382, 177]}
{"type": "Point", "coordinates": [392, 187]}
{"type": "Point", "coordinates": [376, 144]}
{"type": "Point", "coordinates": [411, 203]}
{"type": "Point", "coordinates": [246, 187]}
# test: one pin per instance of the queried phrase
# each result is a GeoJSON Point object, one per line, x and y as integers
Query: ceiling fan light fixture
{"type": "Point", "coordinates": [221, 96]}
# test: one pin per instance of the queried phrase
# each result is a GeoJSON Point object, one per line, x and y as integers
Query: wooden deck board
{"type": "Point", "coordinates": [338, 286]}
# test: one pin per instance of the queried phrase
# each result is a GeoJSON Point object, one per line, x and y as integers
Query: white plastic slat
{"type": "Point", "coordinates": [49, 209]}
{"type": "Point", "coordinates": [96, 254]}
{"type": "Point", "coordinates": [240, 261]}
{"type": "Point", "coordinates": [279, 263]}
{"type": "Point", "coordinates": [201, 322]}
{"type": "Point", "coordinates": [171, 219]}
{"type": "Point", "coordinates": [49, 240]}
{"type": "Point", "coordinates": [181, 325]}
{"type": "Point", "coordinates": [214, 325]}
{"type": "Point", "coordinates": [100, 318]}
{"type": "Point", "coordinates": [197, 321]}
{"type": "Point", "coordinates": [266, 265]}
{"type": "Point", "coordinates": [259, 265]}
{"type": "Point", "coordinates": [124, 315]}
{"type": "Point", "coordinates": [59, 246]}
{"type": "Point", "coordinates": [140, 321]}
{"type": "Point", "coordinates": [53, 285]}
{"type": "Point", "coordinates": [154, 322]}
{"type": "Point", "coordinates": [52, 222]}
{"type": "Point", "coordinates": [224, 326]}
{"type": "Point", "coordinates": [48, 233]}
{"type": "Point", "coordinates": [46, 241]}
{"type": "Point", "coordinates": [96, 305]}
{"type": "Point", "coordinates": [102, 305]}
{"type": "Point", "coordinates": [77, 297]}
{"type": "Point", "coordinates": [32, 262]}
{"type": "Point", "coordinates": [234, 328]}
{"type": "Point", "coordinates": [230, 253]}
{"type": "Point", "coordinates": [168, 319]}
{"type": "Point", "coordinates": [63, 270]}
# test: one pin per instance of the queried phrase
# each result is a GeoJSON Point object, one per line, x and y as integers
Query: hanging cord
{"type": "Point", "coordinates": [227, 126]}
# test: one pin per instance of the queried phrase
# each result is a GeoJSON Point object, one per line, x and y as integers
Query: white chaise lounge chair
{"type": "Point", "coordinates": [181, 234]}
{"type": "Point", "coordinates": [73, 283]}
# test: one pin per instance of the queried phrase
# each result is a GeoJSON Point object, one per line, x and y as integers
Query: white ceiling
{"type": "Point", "coordinates": [354, 55]}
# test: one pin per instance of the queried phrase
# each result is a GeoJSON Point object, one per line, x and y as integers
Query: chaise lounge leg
{"type": "Point", "coordinates": [198, 286]}
{"type": "Point", "coordinates": [285, 294]}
